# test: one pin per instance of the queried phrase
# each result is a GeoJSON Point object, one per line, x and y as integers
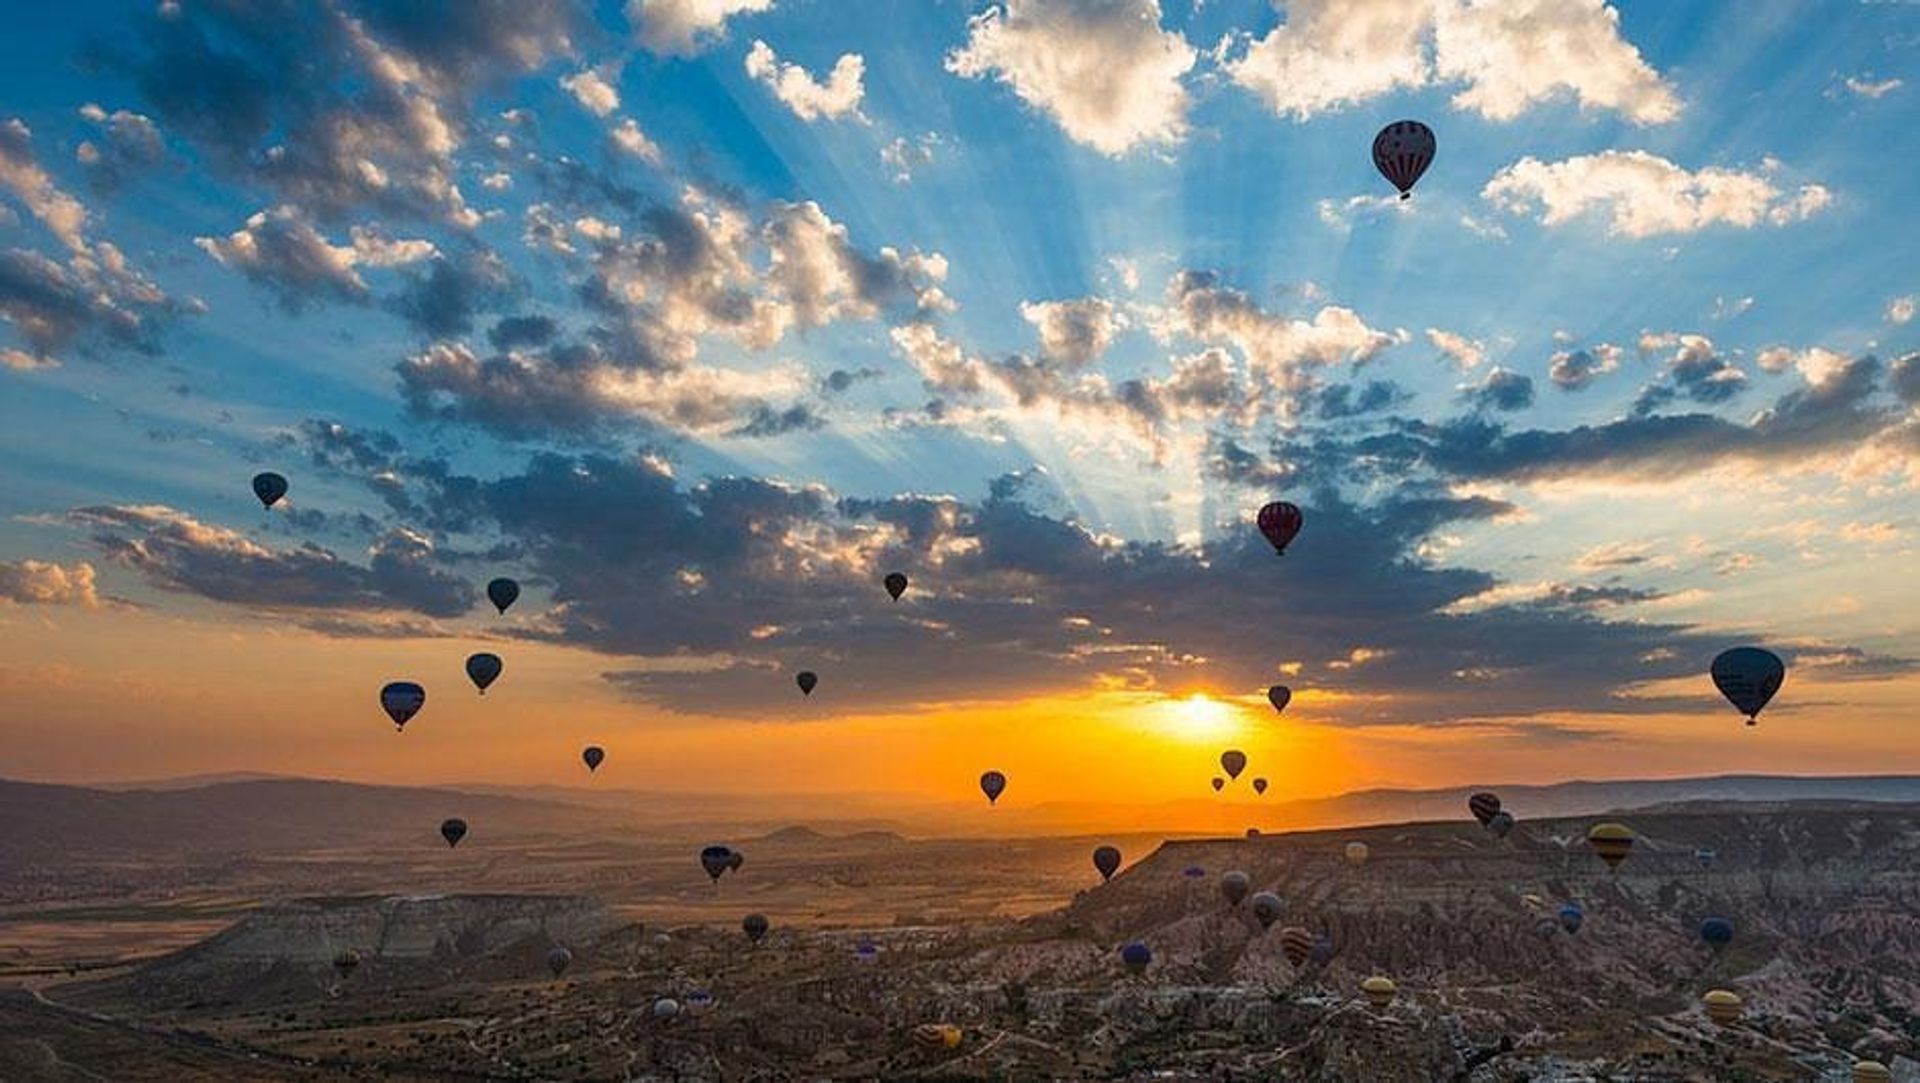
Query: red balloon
{"type": "Point", "coordinates": [1280, 521]}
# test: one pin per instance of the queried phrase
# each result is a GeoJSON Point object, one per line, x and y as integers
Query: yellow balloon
{"type": "Point", "coordinates": [1871, 1071]}
{"type": "Point", "coordinates": [1723, 1006]}
{"type": "Point", "coordinates": [1356, 854]}
{"type": "Point", "coordinates": [1612, 842]}
{"type": "Point", "coordinates": [1379, 991]}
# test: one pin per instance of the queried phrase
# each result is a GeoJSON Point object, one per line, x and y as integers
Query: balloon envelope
{"type": "Point", "coordinates": [1484, 806]}
{"type": "Point", "coordinates": [483, 669]}
{"type": "Point", "coordinates": [1572, 917]}
{"type": "Point", "coordinates": [1611, 842]}
{"type": "Point", "coordinates": [453, 831]}
{"type": "Point", "coordinates": [1219, 784]}
{"type": "Point", "coordinates": [1296, 943]}
{"type": "Point", "coordinates": [806, 679]}
{"type": "Point", "coordinates": [755, 926]}
{"type": "Point", "coordinates": [1379, 991]}
{"type": "Point", "coordinates": [502, 592]}
{"type": "Point", "coordinates": [1717, 932]}
{"type": "Point", "coordinates": [1402, 152]}
{"type": "Point", "coordinates": [665, 1008]}
{"type": "Point", "coordinates": [1723, 1006]}
{"type": "Point", "coordinates": [1357, 853]}
{"type": "Point", "coordinates": [1704, 857]}
{"type": "Point", "coordinates": [1233, 761]}
{"type": "Point", "coordinates": [1279, 523]}
{"type": "Point", "coordinates": [1872, 1071]}
{"type": "Point", "coordinates": [1748, 677]}
{"type": "Point", "coordinates": [558, 960]}
{"type": "Point", "coordinates": [716, 860]}
{"type": "Point", "coordinates": [896, 584]}
{"type": "Point", "coordinates": [592, 755]}
{"type": "Point", "coordinates": [1501, 824]}
{"type": "Point", "coordinates": [1268, 908]}
{"type": "Point", "coordinates": [345, 960]}
{"type": "Point", "coordinates": [1259, 785]}
{"type": "Point", "coordinates": [1137, 957]}
{"type": "Point", "coordinates": [1279, 695]}
{"type": "Point", "coordinates": [269, 487]}
{"type": "Point", "coordinates": [1107, 860]}
{"type": "Point", "coordinates": [1234, 885]}
{"type": "Point", "coordinates": [402, 700]}
{"type": "Point", "coordinates": [993, 784]}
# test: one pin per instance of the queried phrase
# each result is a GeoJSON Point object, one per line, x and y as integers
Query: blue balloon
{"type": "Point", "coordinates": [1137, 957]}
{"type": "Point", "coordinates": [1717, 932]}
{"type": "Point", "coordinates": [1572, 917]}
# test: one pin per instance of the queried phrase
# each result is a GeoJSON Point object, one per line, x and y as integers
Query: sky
{"type": "Point", "coordinates": [698, 317]}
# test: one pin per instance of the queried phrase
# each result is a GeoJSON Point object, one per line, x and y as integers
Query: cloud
{"type": "Point", "coordinates": [685, 27]}
{"type": "Point", "coordinates": [444, 300]}
{"type": "Point", "coordinates": [1074, 333]}
{"type": "Point", "coordinates": [174, 551]}
{"type": "Point", "coordinates": [20, 174]}
{"type": "Point", "coordinates": [807, 97]}
{"type": "Point", "coordinates": [1868, 87]}
{"type": "Point", "coordinates": [1511, 55]}
{"type": "Point", "coordinates": [1104, 70]}
{"type": "Point", "coordinates": [595, 92]}
{"type": "Point", "coordinates": [1696, 370]}
{"type": "Point", "coordinates": [1274, 347]}
{"type": "Point", "coordinates": [1904, 376]}
{"type": "Point", "coordinates": [1339, 401]}
{"type": "Point", "coordinates": [1643, 195]}
{"type": "Point", "coordinates": [129, 144]}
{"type": "Point", "coordinates": [37, 582]}
{"type": "Point", "coordinates": [904, 155]}
{"type": "Point", "coordinates": [93, 299]}
{"type": "Point", "coordinates": [627, 136]}
{"type": "Point", "coordinates": [1575, 370]}
{"type": "Point", "coordinates": [281, 250]}
{"type": "Point", "coordinates": [1900, 310]}
{"type": "Point", "coordinates": [1503, 390]}
{"type": "Point", "coordinates": [1462, 351]}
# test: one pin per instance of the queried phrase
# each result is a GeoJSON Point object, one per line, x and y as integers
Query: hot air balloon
{"type": "Point", "coordinates": [665, 1009]}
{"type": "Point", "coordinates": [1717, 932]}
{"type": "Point", "coordinates": [1484, 806]}
{"type": "Point", "coordinates": [1107, 860]}
{"type": "Point", "coordinates": [1295, 944]}
{"type": "Point", "coordinates": [1704, 857]}
{"type": "Point", "coordinates": [1233, 761]}
{"type": "Point", "coordinates": [1234, 886]}
{"type": "Point", "coordinates": [1546, 928]}
{"type": "Point", "coordinates": [345, 961]}
{"type": "Point", "coordinates": [402, 700]}
{"type": "Point", "coordinates": [734, 862]}
{"type": "Point", "coordinates": [1748, 677]}
{"type": "Point", "coordinates": [1322, 952]}
{"type": "Point", "coordinates": [1137, 957]}
{"type": "Point", "coordinates": [1379, 991]}
{"type": "Point", "coordinates": [699, 1002]}
{"type": "Point", "coordinates": [806, 679]}
{"type": "Point", "coordinates": [1723, 1006]}
{"type": "Point", "coordinates": [558, 960]}
{"type": "Point", "coordinates": [1253, 832]}
{"type": "Point", "coordinates": [592, 755]}
{"type": "Point", "coordinates": [1401, 152]}
{"type": "Point", "coordinates": [1279, 522]}
{"type": "Point", "coordinates": [1193, 872]}
{"type": "Point", "coordinates": [453, 831]}
{"type": "Point", "coordinates": [1501, 825]}
{"type": "Point", "coordinates": [1279, 695]}
{"type": "Point", "coordinates": [502, 592]}
{"type": "Point", "coordinates": [1872, 1071]}
{"type": "Point", "coordinates": [993, 784]}
{"type": "Point", "coordinates": [1219, 784]}
{"type": "Point", "coordinates": [1268, 908]}
{"type": "Point", "coordinates": [896, 584]}
{"type": "Point", "coordinates": [269, 487]}
{"type": "Point", "coordinates": [937, 1035]}
{"type": "Point", "coordinates": [1260, 785]}
{"type": "Point", "coordinates": [1357, 854]}
{"type": "Point", "coordinates": [866, 951]}
{"type": "Point", "coordinates": [755, 926]}
{"type": "Point", "coordinates": [483, 669]}
{"type": "Point", "coordinates": [1611, 842]}
{"type": "Point", "coordinates": [716, 859]}
{"type": "Point", "coordinates": [1533, 902]}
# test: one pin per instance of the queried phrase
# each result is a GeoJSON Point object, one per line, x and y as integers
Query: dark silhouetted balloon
{"type": "Point", "coordinates": [483, 669]}
{"type": "Point", "coordinates": [738, 859]}
{"type": "Point", "coordinates": [402, 700]}
{"type": "Point", "coordinates": [453, 831]}
{"type": "Point", "coordinates": [269, 487]}
{"type": "Point", "coordinates": [806, 679]}
{"type": "Point", "coordinates": [1107, 860]}
{"type": "Point", "coordinates": [1323, 950]}
{"type": "Point", "coordinates": [1268, 908]}
{"type": "Point", "coordinates": [1484, 806]}
{"type": "Point", "coordinates": [1295, 944]}
{"type": "Point", "coordinates": [1501, 825]}
{"type": "Point", "coordinates": [1137, 957]}
{"type": "Point", "coordinates": [1193, 872]}
{"type": "Point", "coordinates": [1704, 857]}
{"type": "Point", "coordinates": [1233, 761]}
{"type": "Point", "coordinates": [1279, 695]}
{"type": "Point", "coordinates": [993, 784]}
{"type": "Point", "coordinates": [502, 592]}
{"type": "Point", "coordinates": [1717, 932]}
{"type": "Point", "coordinates": [345, 961]}
{"type": "Point", "coordinates": [1259, 785]}
{"type": "Point", "coordinates": [558, 960]}
{"type": "Point", "coordinates": [1234, 886]}
{"type": "Point", "coordinates": [1572, 917]}
{"type": "Point", "coordinates": [593, 755]}
{"type": "Point", "coordinates": [896, 584]}
{"type": "Point", "coordinates": [1402, 152]}
{"type": "Point", "coordinates": [1280, 522]}
{"type": "Point", "coordinates": [716, 860]}
{"type": "Point", "coordinates": [756, 926]}
{"type": "Point", "coordinates": [1748, 677]}
{"type": "Point", "coordinates": [1219, 784]}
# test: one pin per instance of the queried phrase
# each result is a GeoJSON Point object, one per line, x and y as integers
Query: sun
{"type": "Point", "coordinates": [1198, 718]}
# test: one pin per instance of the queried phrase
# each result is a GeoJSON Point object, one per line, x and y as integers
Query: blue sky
{"type": "Point", "coordinates": [1097, 279]}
